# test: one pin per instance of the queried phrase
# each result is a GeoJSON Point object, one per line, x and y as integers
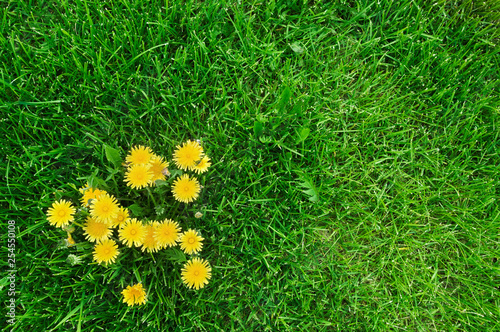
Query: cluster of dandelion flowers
{"type": "Point", "coordinates": [106, 252]}
{"type": "Point", "coordinates": [167, 233]}
{"type": "Point", "coordinates": [186, 189]}
{"type": "Point", "coordinates": [203, 165]}
{"type": "Point", "coordinates": [157, 166]}
{"type": "Point", "coordinates": [196, 273]}
{"type": "Point", "coordinates": [61, 213]}
{"type": "Point", "coordinates": [90, 194]}
{"type": "Point", "coordinates": [139, 155]}
{"type": "Point", "coordinates": [135, 294]}
{"type": "Point", "coordinates": [132, 232]}
{"type": "Point", "coordinates": [104, 208]}
{"type": "Point", "coordinates": [96, 231]}
{"type": "Point", "coordinates": [188, 155]}
{"type": "Point", "coordinates": [138, 176]}
{"type": "Point", "coordinates": [191, 242]}
{"type": "Point", "coordinates": [150, 243]}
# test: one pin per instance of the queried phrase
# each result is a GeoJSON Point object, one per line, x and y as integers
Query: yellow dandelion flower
{"type": "Point", "coordinates": [121, 217]}
{"type": "Point", "coordinates": [104, 208]}
{"type": "Point", "coordinates": [106, 252]}
{"type": "Point", "coordinates": [203, 165]}
{"type": "Point", "coordinates": [157, 167]}
{"type": "Point", "coordinates": [135, 294]}
{"type": "Point", "coordinates": [96, 231]}
{"type": "Point", "coordinates": [132, 232]}
{"type": "Point", "coordinates": [138, 176]}
{"type": "Point", "coordinates": [167, 233]}
{"type": "Point", "coordinates": [150, 243]}
{"type": "Point", "coordinates": [191, 242]}
{"type": "Point", "coordinates": [196, 273]}
{"type": "Point", "coordinates": [186, 189]}
{"type": "Point", "coordinates": [60, 213]}
{"type": "Point", "coordinates": [139, 155]}
{"type": "Point", "coordinates": [188, 155]}
{"type": "Point", "coordinates": [89, 194]}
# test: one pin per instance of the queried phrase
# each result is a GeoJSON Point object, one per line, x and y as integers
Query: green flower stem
{"type": "Point", "coordinates": [150, 195]}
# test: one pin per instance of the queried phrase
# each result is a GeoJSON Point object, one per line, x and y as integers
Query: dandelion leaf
{"type": "Point", "coordinates": [258, 128]}
{"type": "Point", "coordinates": [309, 189]}
{"type": "Point", "coordinates": [303, 134]}
{"type": "Point", "coordinates": [285, 98]}
{"type": "Point", "coordinates": [176, 255]}
{"type": "Point", "coordinates": [136, 209]}
{"type": "Point", "coordinates": [113, 155]}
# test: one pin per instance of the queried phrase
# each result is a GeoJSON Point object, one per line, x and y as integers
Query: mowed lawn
{"type": "Point", "coordinates": [355, 176]}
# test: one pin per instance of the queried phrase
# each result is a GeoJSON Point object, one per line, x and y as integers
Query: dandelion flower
{"type": "Point", "coordinates": [203, 165]}
{"type": "Point", "coordinates": [150, 243]}
{"type": "Point", "coordinates": [96, 231]}
{"type": "Point", "coordinates": [61, 213]}
{"type": "Point", "coordinates": [90, 194]}
{"type": "Point", "coordinates": [132, 232]}
{"type": "Point", "coordinates": [138, 176]}
{"type": "Point", "coordinates": [191, 242]}
{"type": "Point", "coordinates": [106, 252]}
{"type": "Point", "coordinates": [196, 273]}
{"type": "Point", "coordinates": [121, 217]}
{"type": "Point", "coordinates": [157, 167]}
{"type": "Point", "coordinates": [188, 155]}
{"type": "Point", "coordinates": [186, 189]}
{"type": "Point", "coordinates": [167, 233]}
{"type": "Point", "coordinates": [135, 294]}
{"type": "Point", "coordinates": [104, 208]}
{"type": "Point", "coordinates": [139, 155]}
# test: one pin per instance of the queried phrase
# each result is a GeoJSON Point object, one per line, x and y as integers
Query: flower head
{"type": "Point", "coordinates": [203, 165]}
{"type": "Point", "coordinates": [90, 194]}
{"type": "Point", "coordinates": [138, 176]}
{"type": "Point", "coordinates": [150, 243]}
{"type": "Point", "coordinates": [157, 166]}
{"type": "Point", "coordinates": [167, 233]}
{"type": "Point", "coordinates": [106, 252]}
{"type": "Point", "coordinates": [104, 208]}
{"type": "Point", "coordinates": [135, 294]}
{"type": "Point", "coordinates": [121, 217]}
{"type": "Point", "coordinates": [61, 213]}
{"type": "Point", "coordinates": [132, 232]}
{"type": "Point", "coordinates": [139, 155]}
{"type": "Point", "coordinates": [96, 231]}
{"type": "Point", "coordinates": [186, 189]}
{"type": "Point", "coordinates": [196, 273]}
{"type": "Point", "coordinates": [188, 155]}
{"type": "Point", "coordinates": [191, 242]}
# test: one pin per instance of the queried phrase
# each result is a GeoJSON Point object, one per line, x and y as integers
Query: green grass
{"type": "Point", "coordinates": [355, 148]}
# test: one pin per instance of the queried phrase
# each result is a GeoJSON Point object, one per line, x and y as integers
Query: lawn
{"type": "Point", "coordinates": [355, 178]}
